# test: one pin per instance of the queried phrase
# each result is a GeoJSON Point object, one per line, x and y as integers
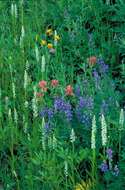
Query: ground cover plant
{"type": "Point", "coordinates": [62, 72]}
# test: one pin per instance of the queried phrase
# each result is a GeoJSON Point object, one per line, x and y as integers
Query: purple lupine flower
{"type": "Point", "coordinates": [116, 171]}
{"type": "Point", "coordinates": [50, 113]}
{"type": "Point", "coordinates": [43, 112]}
{"type": "Point", "coordinates": [96, 75]}
{"type": "Point", "coordinates": [103, 68]}
{"type": "Point", "coordinates": [109, 153]}
{"type": "Point", "coordinates": [62, 106]}
{"type": "Point", "coordinates": [47, 112]}
{"type": "Point", "coordinates": [68, 111]}
{"type": "Point", "coordinates": [82, 102]}
{"type": "Point", "coordinates": [84, 109]}
{"type": "Point", "coordinates": [86, 102]}
{"type": "Point", "coordinates": [104, 167]}
{"type": "Point", "coordinates": [85, 85]}
{"type": "Point", "coordinates": [59, 104]}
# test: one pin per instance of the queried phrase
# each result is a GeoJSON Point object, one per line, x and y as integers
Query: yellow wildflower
{"type": "Point", "coordinates": [43, 42]}
{"type": "Point", "coordinates": [49, 32]}
{"type": "Point", "coordinates": [50, 45]}
{"type": "Point", "coordinates": [56, 37]}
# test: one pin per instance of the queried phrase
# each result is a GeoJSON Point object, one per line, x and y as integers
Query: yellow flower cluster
{"type": "Point", "coordinates": [49, 33]}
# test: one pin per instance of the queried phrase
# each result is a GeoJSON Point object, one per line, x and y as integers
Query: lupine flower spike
{"type": "Point", "coordinates": [13, 89]}
{"type": "Point", "coordinates": [43, 134]}
{"type": "Point", "coordinates": [34, 104]}
{"type": "Point", "coordinates": [93, 136]}
{"type": "Point", "coordinates": [25, 124]}
{"type": "Point", "coordinates": [22, 35]}
{"type": "Point", "coordinates": [37, 53]}
{"type": "Point", "coordinates": [121, 119]}
{"type": "Point", "coordinates": [14, 10]}
{"type": "Point", "coordinates": [55, 41]}
{"type": "Point", "coordinates": [43, 64]}
{"type": "Point", "coordinates": [104, 130]}
{"type": "Point", "coordinates": [54, 143]}
{"type": "Point", "coordinates": [72, 136]}
{"type": "Point", "coordinates": [15, 116]}
{"type": "Point", "coordinates": [66, 169]}
{"type": "Point", "coordinates": [25, 79]}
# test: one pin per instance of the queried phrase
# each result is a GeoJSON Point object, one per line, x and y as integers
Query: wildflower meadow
{"type": "Point", "coordinates": [62, 95]}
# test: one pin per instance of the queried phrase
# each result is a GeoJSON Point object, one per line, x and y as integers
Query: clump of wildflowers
{"type": "Point", "coordinates": [50, 41]}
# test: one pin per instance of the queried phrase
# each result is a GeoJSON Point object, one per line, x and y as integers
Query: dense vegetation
{"type": "Point", "coordinates": [62, 72]}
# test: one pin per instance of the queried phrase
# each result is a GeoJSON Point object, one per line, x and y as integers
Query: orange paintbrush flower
{"type": "Point", "coordinates": [69, 90]}
{"type": "Point", "coordinates": [92, 60]}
